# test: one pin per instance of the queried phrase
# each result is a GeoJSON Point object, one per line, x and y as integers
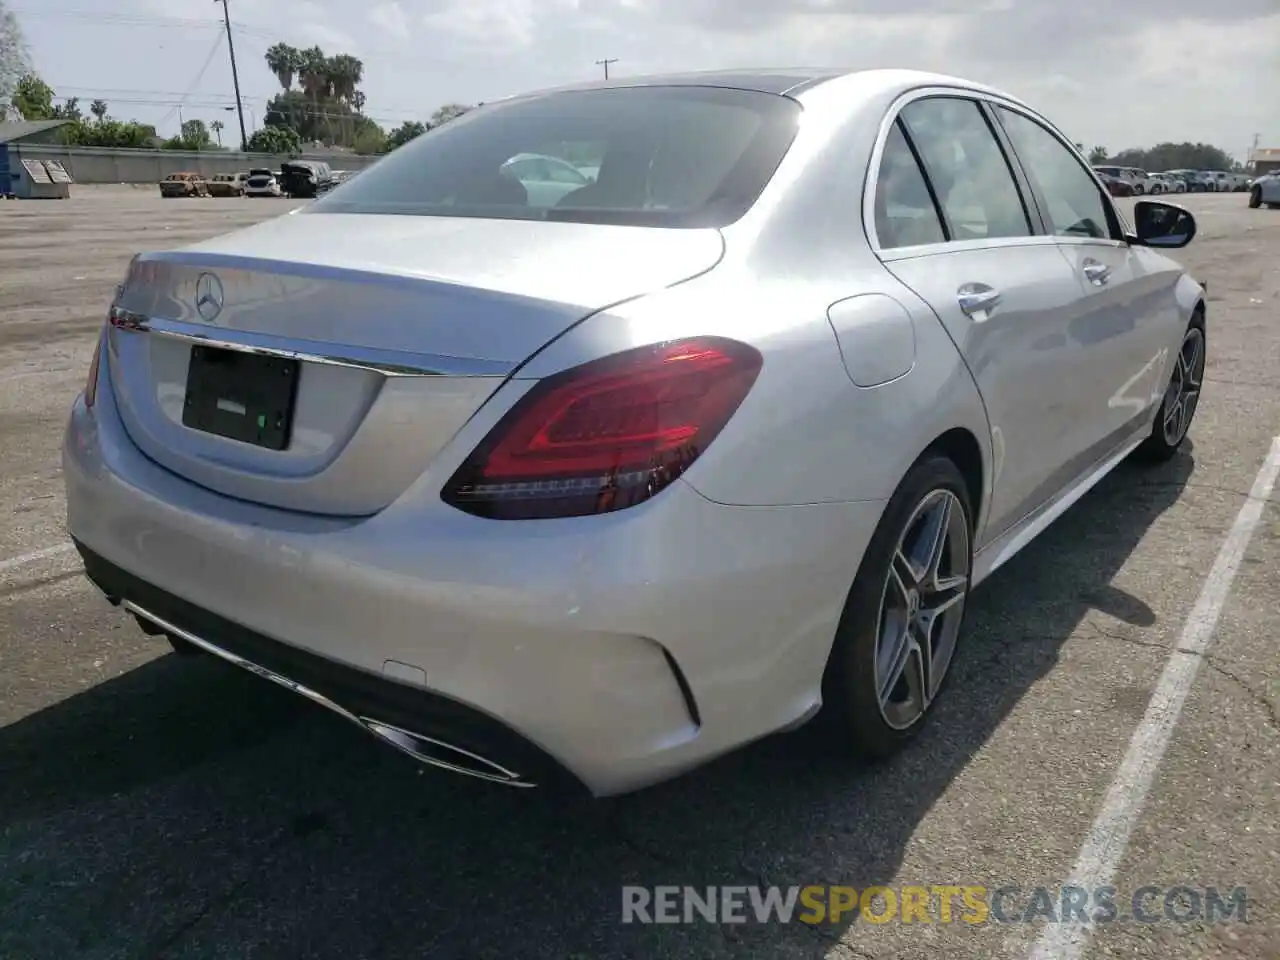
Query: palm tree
{"type": "Point", "coordinates": [284, 61]}
{"type": "Point", "coordinates": [313, 75]}
{"type": "Point", "coordinates": [217, 127]}
{"type": "Point", "coordinates": [99, 110]}
{"type": "Point", "coordinates": [345, 73]}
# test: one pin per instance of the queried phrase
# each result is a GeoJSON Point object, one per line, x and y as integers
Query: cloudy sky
{"type": "Point", "coordinates": [1119, 73]}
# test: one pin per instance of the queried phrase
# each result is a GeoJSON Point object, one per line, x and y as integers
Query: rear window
{"type": "Point", "coordinates": [652, 156]}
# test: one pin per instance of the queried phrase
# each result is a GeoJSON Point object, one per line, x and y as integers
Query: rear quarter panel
{"type": "Point", "coordinates": [805, 433]}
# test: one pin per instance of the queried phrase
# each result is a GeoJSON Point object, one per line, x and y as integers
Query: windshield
{"type": "Point", "coordinates": [653, 156]}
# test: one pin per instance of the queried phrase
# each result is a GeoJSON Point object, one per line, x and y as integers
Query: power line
{"type": "Point", "coordinates": [166, 98]}
{"type": "Point", "coordinates": [139, 20]}
{"type": "Point", "coordinates": [298, 110]}
{"type": "Point", "coordinates": [194, 83]}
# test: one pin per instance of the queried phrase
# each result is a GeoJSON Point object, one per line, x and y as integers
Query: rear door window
{"type": "Point", "coordinates": [967, 168]}
{"type": "Point", "coordinates": [905, 214]}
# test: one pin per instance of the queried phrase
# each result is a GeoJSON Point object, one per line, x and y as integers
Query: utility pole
{"type": "Point", "coordinates": [605, 63]}
{"type": "Point", "coordinates": [235, 75]}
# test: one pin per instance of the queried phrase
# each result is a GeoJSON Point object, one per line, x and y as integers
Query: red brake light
{"type": "Point", "coordinates": [608, 434]}
{"type": "Point", "coordinates": [91, 384]}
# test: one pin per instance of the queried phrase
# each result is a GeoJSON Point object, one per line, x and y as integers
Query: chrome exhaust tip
{"type": "Point", "coordinates": [446, 756]}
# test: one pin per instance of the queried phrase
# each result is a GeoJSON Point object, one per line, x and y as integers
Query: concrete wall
{"type": "Point", "coordinates": [111, 165]}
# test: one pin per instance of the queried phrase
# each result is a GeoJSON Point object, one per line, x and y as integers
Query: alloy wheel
{"type": "Point", "coordinates": [922, 607]}
{"type": "Point", "coordinates": [1183, 393]}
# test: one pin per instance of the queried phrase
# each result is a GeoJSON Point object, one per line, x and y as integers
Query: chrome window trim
{"type": "Point", "coordinates": [873, 172]}
{"type": "Point", "coordinates": [893, 254]}
{"type": "Point", "coordinates": [387, 363]}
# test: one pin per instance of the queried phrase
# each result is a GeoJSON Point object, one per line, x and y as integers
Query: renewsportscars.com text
{"type": "Point", "coordinates": [943, 903]}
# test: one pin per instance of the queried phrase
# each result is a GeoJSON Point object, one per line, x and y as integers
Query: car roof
{"type": "Point", "coordinates": [786, 81]}
{"type": "Point", "coordinates": [781, 80]}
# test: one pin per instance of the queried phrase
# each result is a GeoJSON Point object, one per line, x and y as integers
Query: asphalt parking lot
{"type": "Point", "coordinates": [157, 806]}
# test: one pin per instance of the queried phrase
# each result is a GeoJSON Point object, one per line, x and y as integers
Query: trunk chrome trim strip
{"type": "Point", "coordinates": [406, 741]}
{"type": "Point", "coordinates": [388, 363]}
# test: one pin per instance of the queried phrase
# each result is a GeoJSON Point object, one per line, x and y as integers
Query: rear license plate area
{"type": "Point", "coordinates": [241, 396]}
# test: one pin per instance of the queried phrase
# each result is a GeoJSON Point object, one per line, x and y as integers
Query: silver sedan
{"type": "Point", "coordinates": [1265, 189]}
{"type": "Point", "coordinates": [593, 486]}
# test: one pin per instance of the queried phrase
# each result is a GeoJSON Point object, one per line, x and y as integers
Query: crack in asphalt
{"type": "Point", "coordinates": [1214, 662]}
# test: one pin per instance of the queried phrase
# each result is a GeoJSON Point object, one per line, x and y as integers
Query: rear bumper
{"type": "Point", "coordinates": [625, 648]}
{"type": "Point", "coordinates": [430, 728]}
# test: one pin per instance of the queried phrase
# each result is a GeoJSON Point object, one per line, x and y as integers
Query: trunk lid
{"type": "Point", "coordinates": [400, 327]}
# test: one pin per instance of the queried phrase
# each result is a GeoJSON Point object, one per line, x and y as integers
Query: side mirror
{"type": "Point", "coordinates": [1163, 225]}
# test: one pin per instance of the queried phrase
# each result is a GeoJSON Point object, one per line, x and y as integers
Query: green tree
{"type": "Point", "coordinates": [327, 104]}
{"type": "Point", "coordinates": [371, 141]}
{"type": "Point", "coordinates": [1175, 156]}
{"type": "Point", "coordinates": [69, 109]}
{"type": "Point", "coordinates": [107, 133]}
{"type": "Point", "coordinates": [277, 140]}
{"type": "Point", "coordinates": [450, 111]}
{"type": "Point", "coordinates": [33, 98]}
{"type": "Point", "coordinates": [285, 62]}
{"type": "Point", "coordinates": [195, 132]}
{"type": "Point", "coordinates": [99, 110]}
{"type": "Point", "coordinates": [14, 63]}
{"type": "Point", "coordinates": [405, 132]}
{"type": "Point", "coordinates": [217, 127]}
{"type": "Point", "coordinates": [1098, 155]}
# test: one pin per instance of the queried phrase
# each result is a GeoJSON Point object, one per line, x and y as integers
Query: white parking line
{"type": "Point", "coordinates": [1100, 856]}
{"type": "Point", "coordinates": [35, 557]}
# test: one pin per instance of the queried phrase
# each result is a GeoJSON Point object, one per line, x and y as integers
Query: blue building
{"type": "Point", "coordinates": [22, 179]}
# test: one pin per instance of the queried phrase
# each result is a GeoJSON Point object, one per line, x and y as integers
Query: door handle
{"type": "Point", "coordinates": [977, 298]}
{"type": "Point", "coordinates": [1096, 273]}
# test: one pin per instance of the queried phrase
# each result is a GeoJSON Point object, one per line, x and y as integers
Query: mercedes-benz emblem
{"type": "Point", "coordinates": [208, 296]}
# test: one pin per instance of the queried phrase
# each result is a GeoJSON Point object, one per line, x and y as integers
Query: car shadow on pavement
{"type": "Point", "coordinates": [218, 816]}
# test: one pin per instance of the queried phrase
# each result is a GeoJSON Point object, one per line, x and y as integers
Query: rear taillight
{"type": "Point", "coordinates": [91, 384]}
{"type": "Point", "coordinates": [606, 435]}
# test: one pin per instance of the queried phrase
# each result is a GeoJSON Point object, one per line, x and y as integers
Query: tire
{"type": "Point", "coordinates": [853, 717]}
{"type": "Point", "coordinates": [1255, 198]}
{"type": "Point", "coordinates": [1184, 389]}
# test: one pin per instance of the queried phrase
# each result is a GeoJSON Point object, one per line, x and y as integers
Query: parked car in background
{"type": "Point", "coordinates": [1169, 183]}
{"type": "Point", "coordinates": [184, 184]}
{"type": "Point", "coordinates": [1136, 178]}
{"type": "Point", "coordinates": [336, 179]}
{"type": "Point", "coordinates": [1219, 180]}
{"type": "Point", "coordinates": [227, 184]}
{"type": "Point", "coordinates": [546, 178]}
{"type": "Point", "coordinates": [303, 178]}
{"type": "Point", "coordinates": [1115, 186]}
{"type": "Point", "coordinates": [1265, 190]}
{"type": "Point", "coordinates": [1188, 178]}
{"type": "Point", "coordinates": [599, 492]}
{"type": "Point", "coordinates": [1149, 183]}
{"type": "Point", "coordinates": [262, 182]}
